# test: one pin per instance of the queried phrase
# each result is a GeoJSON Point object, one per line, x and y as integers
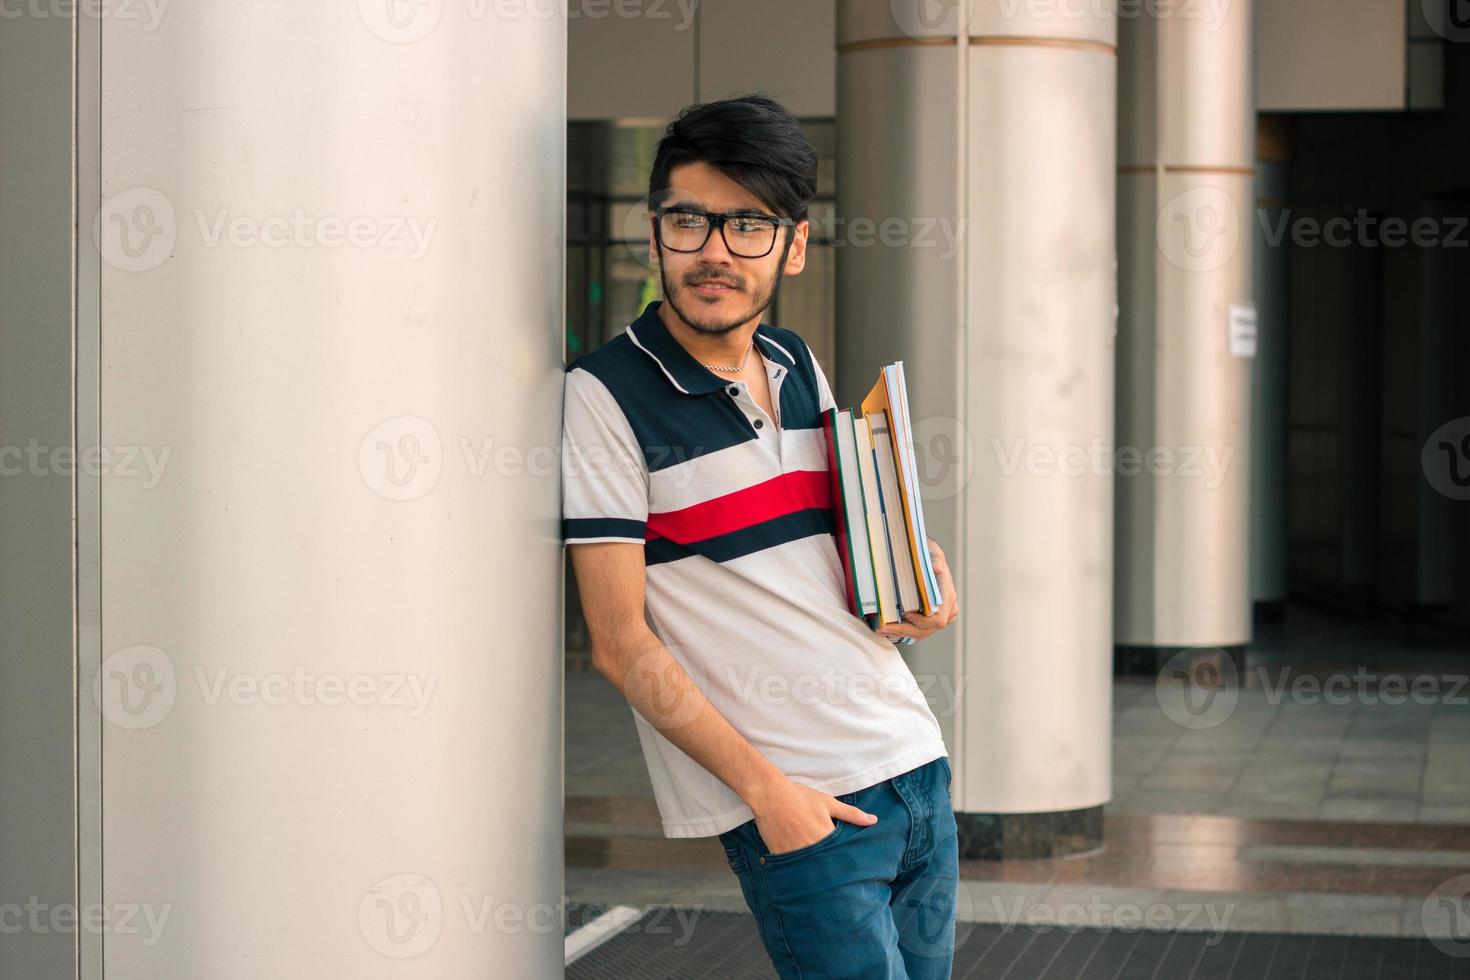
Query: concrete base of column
{"type": "Point", "coordinates": [1149, 661]}
{"type": "Point", "coordinates": [1007, 836]}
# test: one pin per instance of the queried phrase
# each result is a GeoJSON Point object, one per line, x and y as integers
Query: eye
{"type": "Point", "coordinates": [747, 225]}
{"type": "Point", "coordinates": [685, 220]}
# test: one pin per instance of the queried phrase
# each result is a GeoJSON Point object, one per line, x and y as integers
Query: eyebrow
{"type": "Point", "coordinates": [737, 211]}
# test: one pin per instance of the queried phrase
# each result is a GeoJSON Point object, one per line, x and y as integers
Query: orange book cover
{"type": "Point", "coordinates": [878, 399]}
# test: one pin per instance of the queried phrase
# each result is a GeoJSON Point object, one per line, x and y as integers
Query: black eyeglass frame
{"type": "Point", "coordinates": [717, 220]}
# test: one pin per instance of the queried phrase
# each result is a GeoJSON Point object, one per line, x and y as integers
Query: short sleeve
{"type": "Point", "coordinates": [824, 390]}
{"type": "Point", "coordinates": [604, 474]}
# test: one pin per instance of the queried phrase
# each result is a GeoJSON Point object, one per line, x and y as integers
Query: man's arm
{"type": "Point", "coordinates": [610, 581]}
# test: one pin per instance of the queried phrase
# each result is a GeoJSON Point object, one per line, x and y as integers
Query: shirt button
{"type": "Point", "coordinates": [759, 423]}
{"type": "Point", "coordinates": [733, 390]}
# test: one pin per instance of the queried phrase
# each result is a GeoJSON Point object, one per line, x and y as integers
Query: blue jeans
{"type": "Point", "coordinates": [865, 902]}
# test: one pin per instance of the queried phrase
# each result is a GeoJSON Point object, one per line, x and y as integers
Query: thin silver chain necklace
{"type": "Point", "coordinates": [738, 367]}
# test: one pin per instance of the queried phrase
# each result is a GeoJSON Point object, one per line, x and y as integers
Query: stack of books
{"type": "Point", "coordinates": [878, 515]}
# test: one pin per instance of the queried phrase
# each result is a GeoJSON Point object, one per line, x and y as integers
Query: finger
{"type": "Point", "coordinates": [850, 813]}
{"type": "Point", "coordinates": [937, 559]}
{"type": "Point", "coordinates": [951, 596]}
{"type": "Point", "coordinates": [932, 621]}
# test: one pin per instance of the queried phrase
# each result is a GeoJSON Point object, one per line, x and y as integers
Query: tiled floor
{"type": "Point", "coordinates": [1331, 720]}
{"type": "Point", "coordinates": [1276, 755]}
{"type": "Point", "coordinates": [1188, 872]}
{"type": "Point", "coordinates": [1284, 809]}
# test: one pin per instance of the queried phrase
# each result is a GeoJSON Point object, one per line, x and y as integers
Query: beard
{"type": "Point", "coordinates": [711, 324]}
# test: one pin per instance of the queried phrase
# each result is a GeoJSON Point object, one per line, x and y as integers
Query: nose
{"type": "Point", "coordinates": [715, 249]}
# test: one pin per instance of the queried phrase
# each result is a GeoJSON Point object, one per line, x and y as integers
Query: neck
{"type": "Point", "coordinates": [726, 349]}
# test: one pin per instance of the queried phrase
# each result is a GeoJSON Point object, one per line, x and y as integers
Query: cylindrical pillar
{"type": "Point", "coordinates": [322, 335]}
{"type": "Point", "coordinates": [1271, 265]}
{"type": "Point", "coordinates": [998, 132]}
{"type": "Point", "coordinates": [1186, 335]}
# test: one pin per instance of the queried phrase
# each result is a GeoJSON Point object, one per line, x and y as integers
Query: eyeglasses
{"type": "Point", "coordinates": [746, 234]}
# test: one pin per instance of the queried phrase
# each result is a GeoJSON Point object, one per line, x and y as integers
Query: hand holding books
{"type": "Point", "coordinates": [917, 625]}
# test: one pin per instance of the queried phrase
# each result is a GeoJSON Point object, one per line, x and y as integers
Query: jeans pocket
{"type": "Point", "coordinates": [948, 774]}
{"type": "Point", "coordinates": [805, 849]}
{"type": "Point", "coordinates": [751, 834]}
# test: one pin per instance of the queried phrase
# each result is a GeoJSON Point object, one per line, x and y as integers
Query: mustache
{"type": "Point", "coordinates": [705, 278]}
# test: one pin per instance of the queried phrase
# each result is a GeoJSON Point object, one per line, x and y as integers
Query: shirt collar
{"type": "Point", "coordinates": [649, 334]}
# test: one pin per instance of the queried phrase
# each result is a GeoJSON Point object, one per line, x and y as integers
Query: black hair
{"type": "Point", "coordinates": [753, 140]}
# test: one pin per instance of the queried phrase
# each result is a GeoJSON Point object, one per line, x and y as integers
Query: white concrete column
{"type": "Point", "coordinates": [322, 603]}
{"type": "Point", "coordinates": [997, 126]}
{"type": "Point", "coordinates": [1185, 157]}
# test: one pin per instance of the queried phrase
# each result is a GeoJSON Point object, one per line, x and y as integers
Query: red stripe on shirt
{"type": "Point", "coordinates": [735, 511]}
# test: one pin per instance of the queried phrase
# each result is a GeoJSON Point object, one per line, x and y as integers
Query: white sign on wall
{"type": "Point", "coordinates": [1243, 329]}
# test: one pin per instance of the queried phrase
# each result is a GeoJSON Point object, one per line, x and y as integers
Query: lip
{"type": "Point", "coordinates": [712, 288]}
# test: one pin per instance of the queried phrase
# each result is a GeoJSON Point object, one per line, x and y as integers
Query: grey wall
{"type": "Point", "coordinates": [37, 798]}
{"type": "Point", "coordinates": [674, 53]}
{"type": "Point", "coordinates": [1330, 54]}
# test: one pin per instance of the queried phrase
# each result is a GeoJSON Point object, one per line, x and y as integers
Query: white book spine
{"type": "Point", "coordinates": [897, 525]}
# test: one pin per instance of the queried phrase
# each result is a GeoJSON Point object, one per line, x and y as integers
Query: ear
{"type": "Point", "coordinates": [652, 243]}
{"type": "Point", "coordinates": [796, 255]}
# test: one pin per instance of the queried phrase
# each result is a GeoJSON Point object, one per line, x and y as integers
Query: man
{"type": "Point", "coordinates": [697, 512]}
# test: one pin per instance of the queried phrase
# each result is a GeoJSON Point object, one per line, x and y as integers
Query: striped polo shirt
{"type": "Point", "coordinates": [744, 585]}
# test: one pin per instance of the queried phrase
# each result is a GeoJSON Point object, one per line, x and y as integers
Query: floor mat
{"type": "Point", "coordinates": [678, 944]}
